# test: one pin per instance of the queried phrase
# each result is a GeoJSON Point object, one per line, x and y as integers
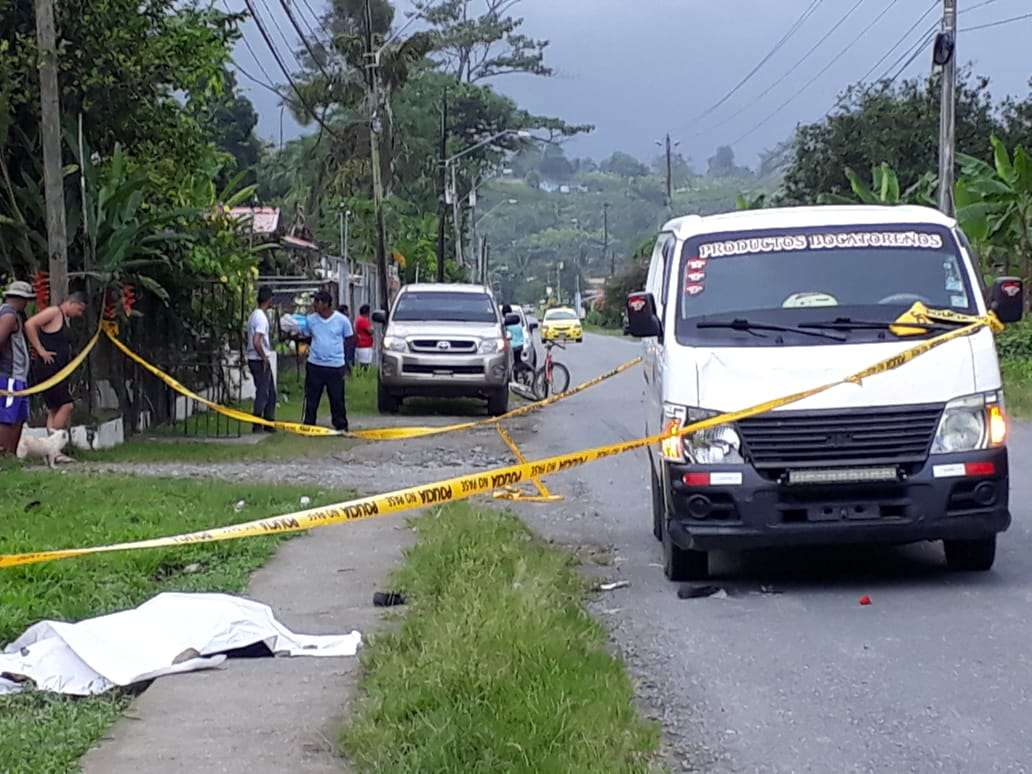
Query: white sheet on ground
{"type": "Point", "coordinates": [171, 633]}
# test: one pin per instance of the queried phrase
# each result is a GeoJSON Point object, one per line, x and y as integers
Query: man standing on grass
{"type": "Point", "coordinates": [14, 365]}
{"type": "Point", "coordinates": [326, 363]}
{"type": "Point", "coordinates": [259, 346]}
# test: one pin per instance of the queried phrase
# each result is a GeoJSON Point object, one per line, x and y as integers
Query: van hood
{"type": "Point", "coordinates": [445, 329]}
{"type": "Point", "coordinates": [733, 378]}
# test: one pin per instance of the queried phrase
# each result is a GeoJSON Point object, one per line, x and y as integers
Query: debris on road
{"type": "Point", "coordinates": [865, 600]}
{"type": "Point", "coordinates": [241, 504]}
{"type": "Point", "coordinates": [388, 599]}
{"type": "Point", "coordinates": [770, 590]}
{"type": "Point", "coordinates": [701, 592]}
{"type": "Point", "coordinates": [613, 586]}
{"type": "Point", "coordinates": [306, 501]}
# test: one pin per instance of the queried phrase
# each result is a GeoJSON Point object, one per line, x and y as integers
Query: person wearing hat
{"type": "Point", "coordinates": [14, 364]}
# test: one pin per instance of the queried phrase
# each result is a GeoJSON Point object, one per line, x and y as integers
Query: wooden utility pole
{"type": "Point", "coordinates": [53, 166]}
{"type": "Point", "coordinates": [948, 110]}
{"type": "Point", "coordinates": [605, 239]}
{"type": "Point", "coordinates": [374, 157]}
{"type": "Point", "coordinates": [669, 175]}
{"type": "Point", "coordinates": [442, 206]}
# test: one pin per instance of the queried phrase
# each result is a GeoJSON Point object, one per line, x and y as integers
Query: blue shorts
{"type": "Point", "coordinates": [13, 411]}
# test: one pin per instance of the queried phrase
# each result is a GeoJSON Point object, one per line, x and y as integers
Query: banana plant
{"type": "Point", "coordinates": [994, 206]}
{"type": "Point", "coordinates": [885, 189]}
{"type": "Point", "coordinates": [751, 201]}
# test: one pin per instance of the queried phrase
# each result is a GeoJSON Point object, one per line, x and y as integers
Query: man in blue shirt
{"type": "Point", "coordinates": [326, 363]}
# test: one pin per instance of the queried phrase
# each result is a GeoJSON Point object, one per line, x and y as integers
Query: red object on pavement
{"type": "Point", "coordinates": [865, 600]}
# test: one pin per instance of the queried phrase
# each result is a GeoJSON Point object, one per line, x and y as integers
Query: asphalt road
{"type": "Point", "coordinates": [933, 676]}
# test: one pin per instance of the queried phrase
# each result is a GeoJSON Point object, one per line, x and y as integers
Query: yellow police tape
{"type": "Point", "coordinates": [60, 376]}
{"type": "Point", "coordinates": [464, 487]}
{"type": "Point", "coordinates": [513, 493]}
{"type": "Point", "coordinates": [372, 434]}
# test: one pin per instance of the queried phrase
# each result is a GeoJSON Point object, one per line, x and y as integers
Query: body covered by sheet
{"type": "Point", "coordinates": [171, 633]}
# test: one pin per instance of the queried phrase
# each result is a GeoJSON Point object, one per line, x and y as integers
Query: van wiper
{"type": "Point", "coordinates": [747, 326]}
{"type": "Point", "coordinates": [849, 324]}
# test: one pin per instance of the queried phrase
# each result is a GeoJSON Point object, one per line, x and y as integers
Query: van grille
{"type": "Point", "coordinates": [875, 436]}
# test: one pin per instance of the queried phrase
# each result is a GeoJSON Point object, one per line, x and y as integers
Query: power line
{"type": "Point", "coordinates": [258, 81]}
{"type": "Point", "coordinates": [916, 53]}
{"type": "Point", "coordinates": [999, 23]}
{"type": "Point", "coordinates": [317, 20]}
{"type": "Point", "coordinates": [782, 79]}
{"type": "Point", "coordinates": [976, 7]}
{"type": "Point", "coordinates": [807, 13]}
{"type": "Point", "coordinates": [902, 39]}
{"type": "Point", "coordinates": [283, 36]}
{"type": "Point", "coordinates": [308, 46]}
{"type": "Point", "coordinates": [286, 72]}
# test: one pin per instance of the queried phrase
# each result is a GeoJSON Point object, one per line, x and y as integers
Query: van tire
{"type": "Point", "coordinates": [498, 402]}
{"type": "Point", "coordinates": [385, 402]}
{"type": "Point", "coordinates": [970, 555]}
{"type": "Point", "coordinates": [680, 564]}
{"type": "Point", "coordinates": [658, 505]}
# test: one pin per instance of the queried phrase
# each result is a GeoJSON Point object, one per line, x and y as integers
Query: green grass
{"type": "Point", "coordinates": [45, 733]}
{"type": "Point", "coordinates": [1017, 381]}
{"type": "Point", "coordinates": [591, 328]}
{"type": "Point", "coordinates": [496, 666]}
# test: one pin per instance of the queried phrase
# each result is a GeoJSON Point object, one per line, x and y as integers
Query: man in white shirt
{"type": "Point", "coordinates": [259, 347]}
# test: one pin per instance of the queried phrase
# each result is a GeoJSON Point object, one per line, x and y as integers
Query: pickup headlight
{"type": "Point", "coordinates": [971, 423]}
{"type": "Point", "coordinates": [490, 346]}
{"type": "Point", "coordinates": [713, 446]}
{"type": "Point", "coordinates": [394, 344]}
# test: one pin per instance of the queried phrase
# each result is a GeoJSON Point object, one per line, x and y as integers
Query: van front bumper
{"type": "Point", "coordinates": [762, 512]}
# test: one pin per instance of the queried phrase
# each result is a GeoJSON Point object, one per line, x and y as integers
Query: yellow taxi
{"type": "Point", "coordinates": [561, 324]}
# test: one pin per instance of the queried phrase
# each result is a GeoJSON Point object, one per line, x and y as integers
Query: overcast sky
{"type": "Point", "coordinates": [637, 69]}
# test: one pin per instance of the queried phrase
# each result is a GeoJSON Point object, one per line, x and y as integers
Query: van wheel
{"type": "Point", "coordinates": [680, 564]}
{"type": "Point", "coordinates": [385, 402]}
{"type": "Point", "coordinates": [970, 555]}
{"type": "Point", "coordinates": [658, 506]}
{"type": "Point", "coordinates": [498, 402]}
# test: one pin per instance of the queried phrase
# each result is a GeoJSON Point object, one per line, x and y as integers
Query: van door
{"type": "Point", "coordinates": [658, 284]}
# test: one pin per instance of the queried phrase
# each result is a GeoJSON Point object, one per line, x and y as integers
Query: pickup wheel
{"type": "Point", "coordinates": [658, 506]}
{"type": "Point", "coordinates": [498, 402]}
{"type": "Point", "coordinates": [970, 555]}
{"type": "Point", "coordinates": [680, 564]}
{"type": "Point", "coordinates": [385, 402]}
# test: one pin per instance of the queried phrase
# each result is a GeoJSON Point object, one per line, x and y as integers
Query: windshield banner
{"type": "Point", "coordinates": [820, 241]}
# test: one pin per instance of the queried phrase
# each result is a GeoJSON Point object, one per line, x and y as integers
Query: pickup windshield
{"type": "Point", "coordinates": [808, 277]}
{"type": "Point", "coordinates": [445, 307]}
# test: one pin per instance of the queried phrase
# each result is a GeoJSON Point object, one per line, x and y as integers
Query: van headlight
{"type": "Point", "coordinates": [394, 344]}
{"type": "Point", "coordinates": [719, 445]}
{"type": "Point", "coordinates": [971, 423]}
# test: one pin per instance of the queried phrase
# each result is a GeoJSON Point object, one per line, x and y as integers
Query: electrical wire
{"type": "Point", "coordinates": [258, 81]}
{"type": "Point", "coordinates": [935, 4]}
{"type": "Point", "coordinates": [304, 40]}
{"type": "Point", "coordinates": [807, 13]}
{"type": "Point", "coordinates": [999, 23]}
{"type": "Point", "coordinates": [781, 80]}
{"type": "Point", "coordinates": [283, 36]}
{"type": "Point", "coordinates": [918, 49]}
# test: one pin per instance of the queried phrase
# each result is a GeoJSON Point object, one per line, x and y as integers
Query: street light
{"type": "Point", "coordinates": [523, 134]}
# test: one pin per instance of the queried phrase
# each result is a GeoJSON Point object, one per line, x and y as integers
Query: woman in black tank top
{"type": "Point", "coordinates": [48, 333]}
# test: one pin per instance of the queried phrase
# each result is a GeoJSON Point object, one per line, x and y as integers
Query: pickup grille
{"type": "Point", "coordinates": [468, 370]}
{"type": "Point", "coordinates": [875, 436]}
{"type": "Point", "coordinates": [443, 346]}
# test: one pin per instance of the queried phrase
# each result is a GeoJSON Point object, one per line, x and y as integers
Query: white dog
{"type": "Point", "coordinates": [48, 448]}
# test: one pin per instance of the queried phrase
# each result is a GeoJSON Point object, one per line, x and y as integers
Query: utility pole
{"type": "Point", "coordinates": [53, 168]}
{"type": "Point", "coordinates": [442, 206]}
{"type": "Point", "coordinates": [374, 157]}
{"type": "Point", "coordinates": [605, 239]}
{"type": "Point", "coordinates": [669, 175]}
{"type": "Point", "coordinates": [473, 243]}
{"type": "Point", "coordinates": [485, 250]}
{"type": "Point", "coordinates": [345, 284]}
{"type": "Point", "coordinates": [946, 56]}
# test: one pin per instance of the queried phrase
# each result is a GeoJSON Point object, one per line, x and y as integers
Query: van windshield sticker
{"type": "Point", "coordinates": [821, 241]}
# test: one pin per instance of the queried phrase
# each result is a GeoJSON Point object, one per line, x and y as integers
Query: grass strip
{"type": "Point", "coordinates": [1017, 386]}
{"type": "Point", "coordinates": [47, 733]}
{"type": "Point", "coordinates": [496, 665]}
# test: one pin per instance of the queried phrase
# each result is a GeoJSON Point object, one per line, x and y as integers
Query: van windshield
{"type": "Point", "coordinates": [808, 275]}
{"type": "Point", "coordinates": [445, 307]}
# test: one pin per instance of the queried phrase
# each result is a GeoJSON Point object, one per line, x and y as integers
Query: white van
{"type": "Point", "coordinates": [746, 307]}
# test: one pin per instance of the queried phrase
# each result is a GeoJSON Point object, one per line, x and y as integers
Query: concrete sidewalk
{"type": "Point", "coordinates": [268, 715]}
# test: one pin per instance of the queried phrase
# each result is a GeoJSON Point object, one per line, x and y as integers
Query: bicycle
{"type": "Point", "coordinates": [553, 378]}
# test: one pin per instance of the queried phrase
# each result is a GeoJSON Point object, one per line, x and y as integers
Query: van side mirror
{"type": "Point", "coordinates": [642, 318]}
{"type": "Point", "coordinates": [512, 319]}
{"type": "Point", "coordinates": [1007, 299]}
{"type": "Point", "coordinates": [380, 317]}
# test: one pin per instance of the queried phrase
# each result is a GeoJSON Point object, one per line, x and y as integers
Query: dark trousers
{"type": "Point", "coordinates": [264, 390]}
{"type": "Point", "coordinates": [317, 379]}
